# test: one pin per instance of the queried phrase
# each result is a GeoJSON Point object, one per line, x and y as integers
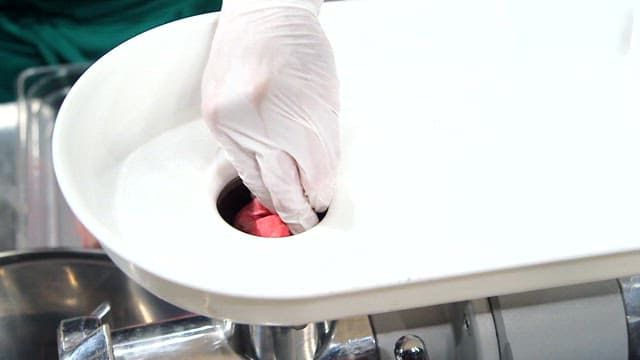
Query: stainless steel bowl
{"type": "Point", "coordinates": [39, 289]}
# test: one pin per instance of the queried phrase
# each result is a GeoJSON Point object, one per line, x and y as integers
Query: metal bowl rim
{"type": "Point", "coordinates": [17, 256]}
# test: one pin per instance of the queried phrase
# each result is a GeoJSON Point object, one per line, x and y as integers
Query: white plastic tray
{"type": "Point", "coordinates": [489, 148]}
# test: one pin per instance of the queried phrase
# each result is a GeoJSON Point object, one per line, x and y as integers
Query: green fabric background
{"type": "Point", "coordinates": [40, 32]}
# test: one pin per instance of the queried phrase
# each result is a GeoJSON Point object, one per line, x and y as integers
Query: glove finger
{"type": "Point", "coordinates": [247, 168]}
{"type": "Point", "coordinates": [318, 163]}
{"type": "Point", "coordinates": [305, 127]}
{"type": "Point", "coordinates": [308, 115]}
{"type": "Point", "coordinates": [228, 121]}
{"type": "Point", "coordinates": [281, 178]}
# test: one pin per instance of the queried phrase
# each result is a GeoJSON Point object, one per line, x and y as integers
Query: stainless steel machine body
{"type": "Point", "coordinates": [41, 291]}
{"type": "Point", "coordinates": [588, 321]}
{"type": "Point", "coordinates": [199, 337]}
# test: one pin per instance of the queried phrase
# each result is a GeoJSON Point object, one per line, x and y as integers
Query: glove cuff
{"type": "Point", "coordinates": [240, 6]}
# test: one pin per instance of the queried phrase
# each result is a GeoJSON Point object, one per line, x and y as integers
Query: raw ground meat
{"type": "Point", "coordinates": [257, 220]}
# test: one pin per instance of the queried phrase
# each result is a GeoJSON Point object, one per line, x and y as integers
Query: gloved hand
{"type": "Point", "coordinates": [270, 97]}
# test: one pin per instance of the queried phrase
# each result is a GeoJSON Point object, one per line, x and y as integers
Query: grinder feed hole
{"type": "Point", "coordinates": [238, 207]}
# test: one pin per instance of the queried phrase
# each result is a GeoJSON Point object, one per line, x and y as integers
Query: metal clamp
{"type": "Point", "coordinates": [86, 337]}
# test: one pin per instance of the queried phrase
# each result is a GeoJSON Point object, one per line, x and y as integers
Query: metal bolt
{"type": "Point", "coordinates": [410, 347]}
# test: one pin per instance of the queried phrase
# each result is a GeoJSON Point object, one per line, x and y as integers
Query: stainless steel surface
{"type": "Point", "coordinates": [40, 289]}
{"type": "Point", "coordinates": [29, 204]}
{"type": "Point", "coordinates": [630, 287]}
{"type": "Point", "coordinates": [575, 322]}
{"type": "Point", "coordinates": [286, 342]}
{"type": "Point", "coordinates": [462, 330]}
{"type": "Point", "coordinates": [352, 339]}
{"type": "Point", "coordinates": [43, 219]}
{"type": "Point", "coordinates": [96, 346]}
{"type": "Point", "coordinates": [473, 330]}
{"type": "Point", "coordinates": [86, 337]}
{"type": "Point", "coordinates": [9, 203]}
{"type": "Point", "coordinates": [102, 312]}
{"type": "Point", "coordinates": [501, 333]}
{"type": "Point", "coordinates": [583, 321]}
{"type": "Point", "coordinates": [410, 347]}
{"type": "Point", "coordinates": [189, 337]}
{"type": "Point", "coordinates": [196, 337]}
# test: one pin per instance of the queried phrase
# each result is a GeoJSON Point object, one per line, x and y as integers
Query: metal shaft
{"type": "Point", "coordinates": [203, 338]}
{"type": "Point", "coordinates": [195, 338]}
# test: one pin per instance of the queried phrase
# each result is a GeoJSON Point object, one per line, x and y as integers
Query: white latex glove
{"type": "Point", "coordinates": [270, 97]}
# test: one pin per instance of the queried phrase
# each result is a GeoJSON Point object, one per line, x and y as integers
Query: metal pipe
{"type": "Point", "coordinates": [203, 338]}
{"type": "Point", "coordinates": [196, 337]}
{"type": "Point", "coordinates": [288, 342]}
